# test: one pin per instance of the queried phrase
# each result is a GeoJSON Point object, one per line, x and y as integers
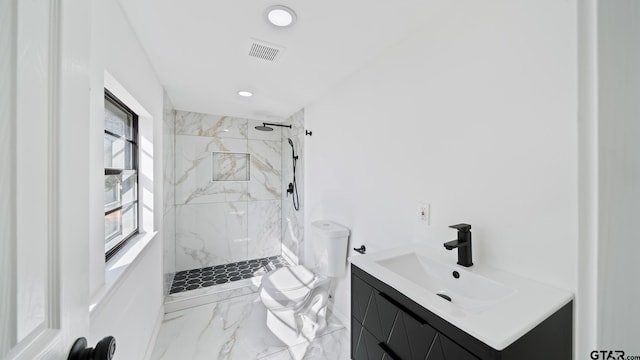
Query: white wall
{"type": "Point", "coordinates": [619, 172]}
{"type": "Point", "coordinates": [476, 114]}
{"type": "Point", "coordinates": [586, 313]}
{"type": "Point", "coordinates": [131, 309]}
{"type": "Point", "coordinates": [7, 169]}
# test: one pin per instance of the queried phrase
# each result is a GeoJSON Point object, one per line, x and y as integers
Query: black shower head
{"type": "Point", "coordinates": [268, 126]}
{"type": "Point", "coordinates": [264, 127]}
{"type": "Point", "coordinates": [293, 149]}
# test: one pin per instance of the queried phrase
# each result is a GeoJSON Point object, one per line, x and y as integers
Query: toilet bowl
{"type": "Point", "coordinates": [296, 301]}
{"type": "Point", "coordinates": [296, 297]}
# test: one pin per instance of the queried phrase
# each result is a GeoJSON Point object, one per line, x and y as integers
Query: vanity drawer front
{"type": "Point", "coordinates": [453, 351]}
{"type": "Point", "coordinates": [361, 293]}
{"type": "Point", "coordinates": [365, 346]}
{"type": "Point", "coordinates": [405, 334]}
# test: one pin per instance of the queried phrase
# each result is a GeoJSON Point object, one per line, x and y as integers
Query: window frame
{"type": "Point", "coordinates": [109, 96]}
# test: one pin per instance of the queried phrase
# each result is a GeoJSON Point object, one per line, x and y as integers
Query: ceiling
{"type": "Point", "coordinates": [199, 49]}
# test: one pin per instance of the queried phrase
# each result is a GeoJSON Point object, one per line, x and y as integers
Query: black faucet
{"type": "Point", "coordinates": [463, 244]}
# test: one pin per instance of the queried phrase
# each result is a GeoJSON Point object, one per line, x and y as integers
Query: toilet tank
{"type": "Point", "coordinates": [329, 243]}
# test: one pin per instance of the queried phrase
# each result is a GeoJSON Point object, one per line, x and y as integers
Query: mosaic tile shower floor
{"type": "Point", "coordinates": [221, 274]}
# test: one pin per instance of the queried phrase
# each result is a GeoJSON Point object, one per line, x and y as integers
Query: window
{"type": "Point", "coordinates": [120, 174]}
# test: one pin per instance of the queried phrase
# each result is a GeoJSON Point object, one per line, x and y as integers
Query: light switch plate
{"type": "Point", "coordinates": [424, 212]}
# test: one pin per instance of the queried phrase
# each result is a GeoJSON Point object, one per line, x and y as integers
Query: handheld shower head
{"type": "Point", "coordinates": [293, 186]}
{"type": "Point", "coordinates": [293, 149]}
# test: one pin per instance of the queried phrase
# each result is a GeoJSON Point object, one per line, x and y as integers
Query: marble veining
{"type": "Point", "coordinates": [333, 345]}
{"type": "Point", "coordinates": [210, 234]}
{"type": "Point", "coordinates": [230, 166]}
{"type": "Point", "coordinates": [168, 135]}
{"type": "Point", "coordinates": [292, 228]}
{"type": "Point", "coordinates": [191, 123]}
{"type": "Point", "coordinates": [203, 296]}
{"type": "Point", "coordinates": [266, 169]}
{"type": "Point", "coordinates": [194, 170]}
{"type": "Point", "coordinates": [236, 329]}
{"type": "Point", "coordinates": [292, 220]}
{"type": "Point", "coordinates": [264, 228]}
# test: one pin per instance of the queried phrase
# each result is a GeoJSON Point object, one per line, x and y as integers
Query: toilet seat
{"type": "Point", "coordinates": [288, 278]}
{"type": "Point", "coordinates": [287, 287]}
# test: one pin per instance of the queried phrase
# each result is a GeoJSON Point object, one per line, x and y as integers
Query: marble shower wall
{"type": "Point", "coordinates": [292, 220]}
{"type": "Point", "coordinates": [169, 211]}
{"type": "Point", "coordinates": [219, 222]}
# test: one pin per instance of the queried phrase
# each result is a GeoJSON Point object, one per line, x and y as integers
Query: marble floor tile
{"type": "Point", "coordinates": [280, 355]}
{"type": "Point", "coordinates": [331, 346]}
{"type": "Point", "coordinates": [236, 329]}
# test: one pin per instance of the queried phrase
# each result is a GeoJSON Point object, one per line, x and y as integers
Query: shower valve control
{"type": "Point", "coordinates": [290, 189]}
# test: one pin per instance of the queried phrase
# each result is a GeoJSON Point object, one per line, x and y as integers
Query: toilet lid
{"type": "Point", "coordinates": [288, 278]}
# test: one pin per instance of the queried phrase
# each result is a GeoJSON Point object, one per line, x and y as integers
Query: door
{"type": "Point", "coordinates": [44, 111]}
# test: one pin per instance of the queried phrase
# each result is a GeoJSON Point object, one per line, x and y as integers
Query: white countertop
{"type": "Point", "coordinates": [498, 326]}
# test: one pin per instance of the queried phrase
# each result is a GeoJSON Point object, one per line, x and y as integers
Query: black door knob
{"type": "Point", "coordinates": [104, 349]}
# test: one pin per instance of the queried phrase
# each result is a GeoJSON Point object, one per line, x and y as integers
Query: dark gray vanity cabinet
{"type": "Point", "coordinates": [385, 324]}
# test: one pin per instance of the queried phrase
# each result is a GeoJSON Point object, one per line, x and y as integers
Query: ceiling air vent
{"type": "Point", "coordinates": [264, 50]}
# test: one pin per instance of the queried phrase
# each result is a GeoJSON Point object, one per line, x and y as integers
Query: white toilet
{"type": "Point", "coordinates": [296, 297]}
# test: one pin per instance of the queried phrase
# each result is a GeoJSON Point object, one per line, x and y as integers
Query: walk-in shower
{"type": "Point", "coordinates": [226, 230]}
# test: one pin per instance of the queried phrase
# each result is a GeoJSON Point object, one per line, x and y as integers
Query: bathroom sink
{"type": "Point", "coordinates": [465, 290]}
{"type": "Point", "coordinates": [491, 305]}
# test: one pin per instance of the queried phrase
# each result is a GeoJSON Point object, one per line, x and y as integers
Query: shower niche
{"type": "Point", "coordinates": [231, 204]}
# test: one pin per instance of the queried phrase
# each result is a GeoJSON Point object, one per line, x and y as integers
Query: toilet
{"type": "Point", "coordinates": [296, 296]}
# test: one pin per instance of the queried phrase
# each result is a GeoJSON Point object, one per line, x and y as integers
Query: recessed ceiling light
{"type": "Point", "coordinates": [245, 93]}
{"type": "Point", "coordinates": [281, 16]}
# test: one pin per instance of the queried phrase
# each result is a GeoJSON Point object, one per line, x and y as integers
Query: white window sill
{"type": "Point", "coordinates": [119, 267]}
